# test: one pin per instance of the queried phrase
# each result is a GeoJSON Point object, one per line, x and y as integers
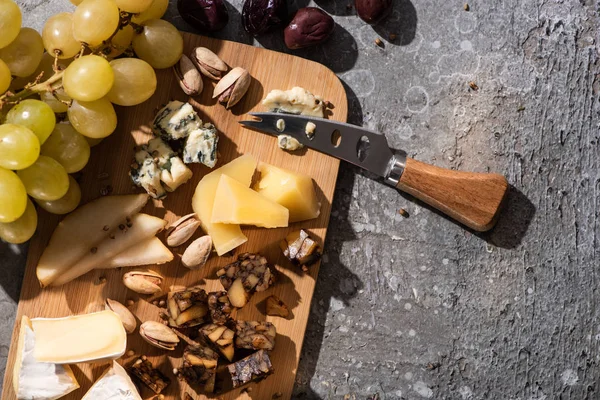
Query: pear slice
{"type": "Point", "coordinates": [149, 252]}
{"type": "Point", "coordinates": [139, 228]}
{"type": "Point", "coordinates": [81, 230]}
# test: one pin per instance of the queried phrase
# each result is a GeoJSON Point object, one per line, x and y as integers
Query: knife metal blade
{"type": "Point", "coordinates": [361, 147]}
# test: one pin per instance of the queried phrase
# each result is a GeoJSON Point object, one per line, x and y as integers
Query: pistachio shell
{"type": "Point", "coordinates": [189, 77]}
{"type": "Point", "coordinates": [127, 318]}
{"type": "Point", "coordinates": [197, 253]}
{"type": "Point", "coordinates": [159, 335]}
{"type": "Point", "coordinates": [237, 81]}
{"type": "Point", "coordinates": [181, 230]}
{"type": "Point", "coordinates": [143, 281]}
{"type": "Point", "coordinates": [209, 63]}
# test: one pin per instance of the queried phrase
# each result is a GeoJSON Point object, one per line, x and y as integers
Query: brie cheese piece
{"type": "Point", "coordinates": [114, 384]}
{"type": "Point", "coordinates": [201, 146]}
{"type": "Point", "coordinates": [295, 101]}
{"type": "Point", "coordinates": [176, 120]}
{"type": "Point", "coordinates": [34, 380]}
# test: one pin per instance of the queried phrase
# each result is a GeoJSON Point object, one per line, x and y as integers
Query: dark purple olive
{"type": "Point", "coordinates": [310, 26]}
{"type": "Point", "coordinates": [373, 11]}
{"type": "Point", "coordinates": [204, 15]}
{"type": "Point", "coordinates": [260, 16]}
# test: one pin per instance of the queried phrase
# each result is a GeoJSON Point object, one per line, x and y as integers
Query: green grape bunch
{"type": "Point", "coordinates": [83, 63]}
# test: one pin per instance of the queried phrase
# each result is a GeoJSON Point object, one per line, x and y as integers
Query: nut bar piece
{"type": "Point", "coordinates": [143, 371]}
{"type": "Point", "coordinates": [199, 367]}
{"type": "Point", "coordinates": [255, 367]}
{"type": "Point", "coordinates": [250, 273]}
{"type": "Point", "coordinates": [187, 307]}
{"type": "Point", "coordinates": [300, 249]}
{"type": "Point", "coordinates": [276, 307]}
{"type": "Point", "coordinates": [219, 306]}
{"type": "Point", "coordinates": [255, 335]}
{"type": "Point", "coordinates": [220, 337]}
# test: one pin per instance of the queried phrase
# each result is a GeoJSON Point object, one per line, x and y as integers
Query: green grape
{"type": "Point", "coordinates": [157, 9]}
{"type": "Point", "coordinates": [65, 204]}
{"type": "Point", "coordinates": [4, 77]}
{"type": "Point", "coordinates": [93, 141]}
{"type": "Point", "coordinates": [120, 42]}
{"type": "Point", "coordinates": [54, 100]}
{"type": "Point", "coordinates": [35, 115]}
{"type": "Point", "coordinates": [22, 229]}
{"type": "Point", "coordinates": [159, 44]}
{"type": "Point", "coordinates": [19, 147]}
{"type": "Point", "coordinates": [10, 22]}
{"type": "Point", "coordinates": [94, 21]}
{"type": "Point", "coordinates": [133, 6]}
{"type": "Point", "coordinates": [23, 55]}
{"type": "Point", "coordinates": [57, 36]}
{"type": "Point", "coordinates": [88, 78]}
{"type": "Point", "coordinates": [95, 119]}
{"type": "Point", "coordinates": [135, 81]}
{"type": "Point", "coordinates": [45, 67]}
{"type": "Point", "coordinates": [68, 147]}
{"type": "Point", "coordinates": [46, 179]}
{"type": "Point", "coordinates": [13, 197]}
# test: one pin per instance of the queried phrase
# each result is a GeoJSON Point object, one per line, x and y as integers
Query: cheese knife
{"type": "Point", "coordinates": [473, 199]}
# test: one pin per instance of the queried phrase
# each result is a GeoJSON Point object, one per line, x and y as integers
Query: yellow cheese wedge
{"type": "Point", "coordinates": [225, 237]}
{"type": "Point", "coordinates": [37, 380]}
{"type": "Point", "coordinates": [238, 204]}
{"type": "Point", "coordinates": [81, 230]}
{"type": "Point", "coordinates": [140, 227]}
{"type": "Point", "coordinates": [147, 252]}
{"type": "Point", "coordinates": [91, 337]}
{"type": "Point", "coordinates": [293, 190]}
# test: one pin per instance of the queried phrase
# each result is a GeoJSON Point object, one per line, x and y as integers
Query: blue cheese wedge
{"type": "Point", "coordinates": [176, 121]}
{"type": "Point", "coordinates": [158, 169]}
{"type": "Point", "coordinates": [201, 146]}
{"type": "Point", "coordinates": [287, 142]}
{"type": "Point", "coordinates": [295, 101]}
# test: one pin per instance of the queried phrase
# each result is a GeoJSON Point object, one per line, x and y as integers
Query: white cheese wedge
{"type": "Point", "coordinates": [139, 227]}
{"type": "Point", "coordinates": [33, 380]}
{"type": "Point", "coordinates": [297, 100]}
{"type": "Point", "coordinates": [147, 252]}
{"type": "Point", "coordinates": [81, 230]}
{"type": "Point", "coordinates": [91, 337]}
{"type": "Point", "coordinates": [114, 384]}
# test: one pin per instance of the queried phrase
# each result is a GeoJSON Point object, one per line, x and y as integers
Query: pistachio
{"type": "Point", "coordinates": [197, 253]}
{"type": "Point", "coordinates": [181, 230]}
{"type": "Point", "coordinates": [189, 78]}
{"type": "Point", "coordinates": [209, 63]}
{"type": "Point", "coordinates": [143, 281]}
{"type": "Point", "coordinates": [159, 335]}
{"type": "Point", "coordinates": [232, 87]}
{"type": "Point", "coordinates": [127, 318]}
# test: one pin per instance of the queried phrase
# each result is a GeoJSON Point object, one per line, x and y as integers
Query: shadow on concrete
{"type": "Point", "coordinates": [12, 268]}
{"type": "Point", "coordinates": [402, 23]}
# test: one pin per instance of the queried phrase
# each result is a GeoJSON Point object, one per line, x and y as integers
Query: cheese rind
{"type": "Point", "coordinates": [238, 204]}
{"type": "Point", "coordinates": [293, 190]}
{"type": "Point", "coordinates": [225, 237]}
{"type": "Point", "coordinates": [79, 231]}
{"type": "Point", "coordinates": [33, 380]}
{"type": "Point", "coordinates": [114, 384]}
{"type": "Point", "coordinates": [80, 338]}
{"type": "Point", "coordinates": [146, 252]}
{"type": "Point", "coordinates": [140, 227]}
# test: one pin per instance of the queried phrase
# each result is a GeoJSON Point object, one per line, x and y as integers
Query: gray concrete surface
{"type": "Point", "coordinates": [418, 307]}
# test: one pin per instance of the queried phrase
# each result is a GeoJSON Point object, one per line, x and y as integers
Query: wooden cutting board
{"type": "Point", "coordinates": [108, 168]}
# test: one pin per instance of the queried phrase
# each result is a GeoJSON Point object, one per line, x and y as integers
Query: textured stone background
{"type": "Point", "coordinates": [418, 307]}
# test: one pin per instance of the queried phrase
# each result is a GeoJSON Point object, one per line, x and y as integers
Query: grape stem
{"type": "Point", "coordinates": [51, 84]}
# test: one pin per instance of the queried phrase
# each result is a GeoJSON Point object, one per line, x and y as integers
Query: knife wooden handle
{"type": "Point", "coordinates": [473, 199]}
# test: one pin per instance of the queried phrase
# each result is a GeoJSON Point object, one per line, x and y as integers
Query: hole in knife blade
{"type": "Point", "coordinates": [336, 138]}
{"type": "Point", "coordinates": [362, 148]}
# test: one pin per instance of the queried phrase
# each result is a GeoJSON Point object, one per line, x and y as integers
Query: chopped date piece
{"type": "Point", "coordinates": [220, 307]}
{"type": "Point", "coordinates": [143, 371]}
{"type": "Point", "coordinates": [252, 268]}
{"type": "Point", "coordinates": [187, 307]}
{"type": "Point", "coordinates": [300, 248]}
{"type": "Point", "coordinates": [255, 367]}
{"type": "Point", "coordinates": [199, 367]}
{"type": "Point", "coordinates": [255, 335]}
{"type": "Point", "coordinates": [219, 337]}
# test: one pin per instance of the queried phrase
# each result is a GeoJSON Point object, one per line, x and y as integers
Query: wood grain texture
{"type": "Point", "coordinates": [109, 166]}
{"type": "Point", "coordinates": [473, 199]}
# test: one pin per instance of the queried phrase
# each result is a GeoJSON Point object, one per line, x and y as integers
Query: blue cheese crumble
{"type": "Point", "coordinates": [201, 146]}
{"type": "Point", "coordinates": [176, 121]}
